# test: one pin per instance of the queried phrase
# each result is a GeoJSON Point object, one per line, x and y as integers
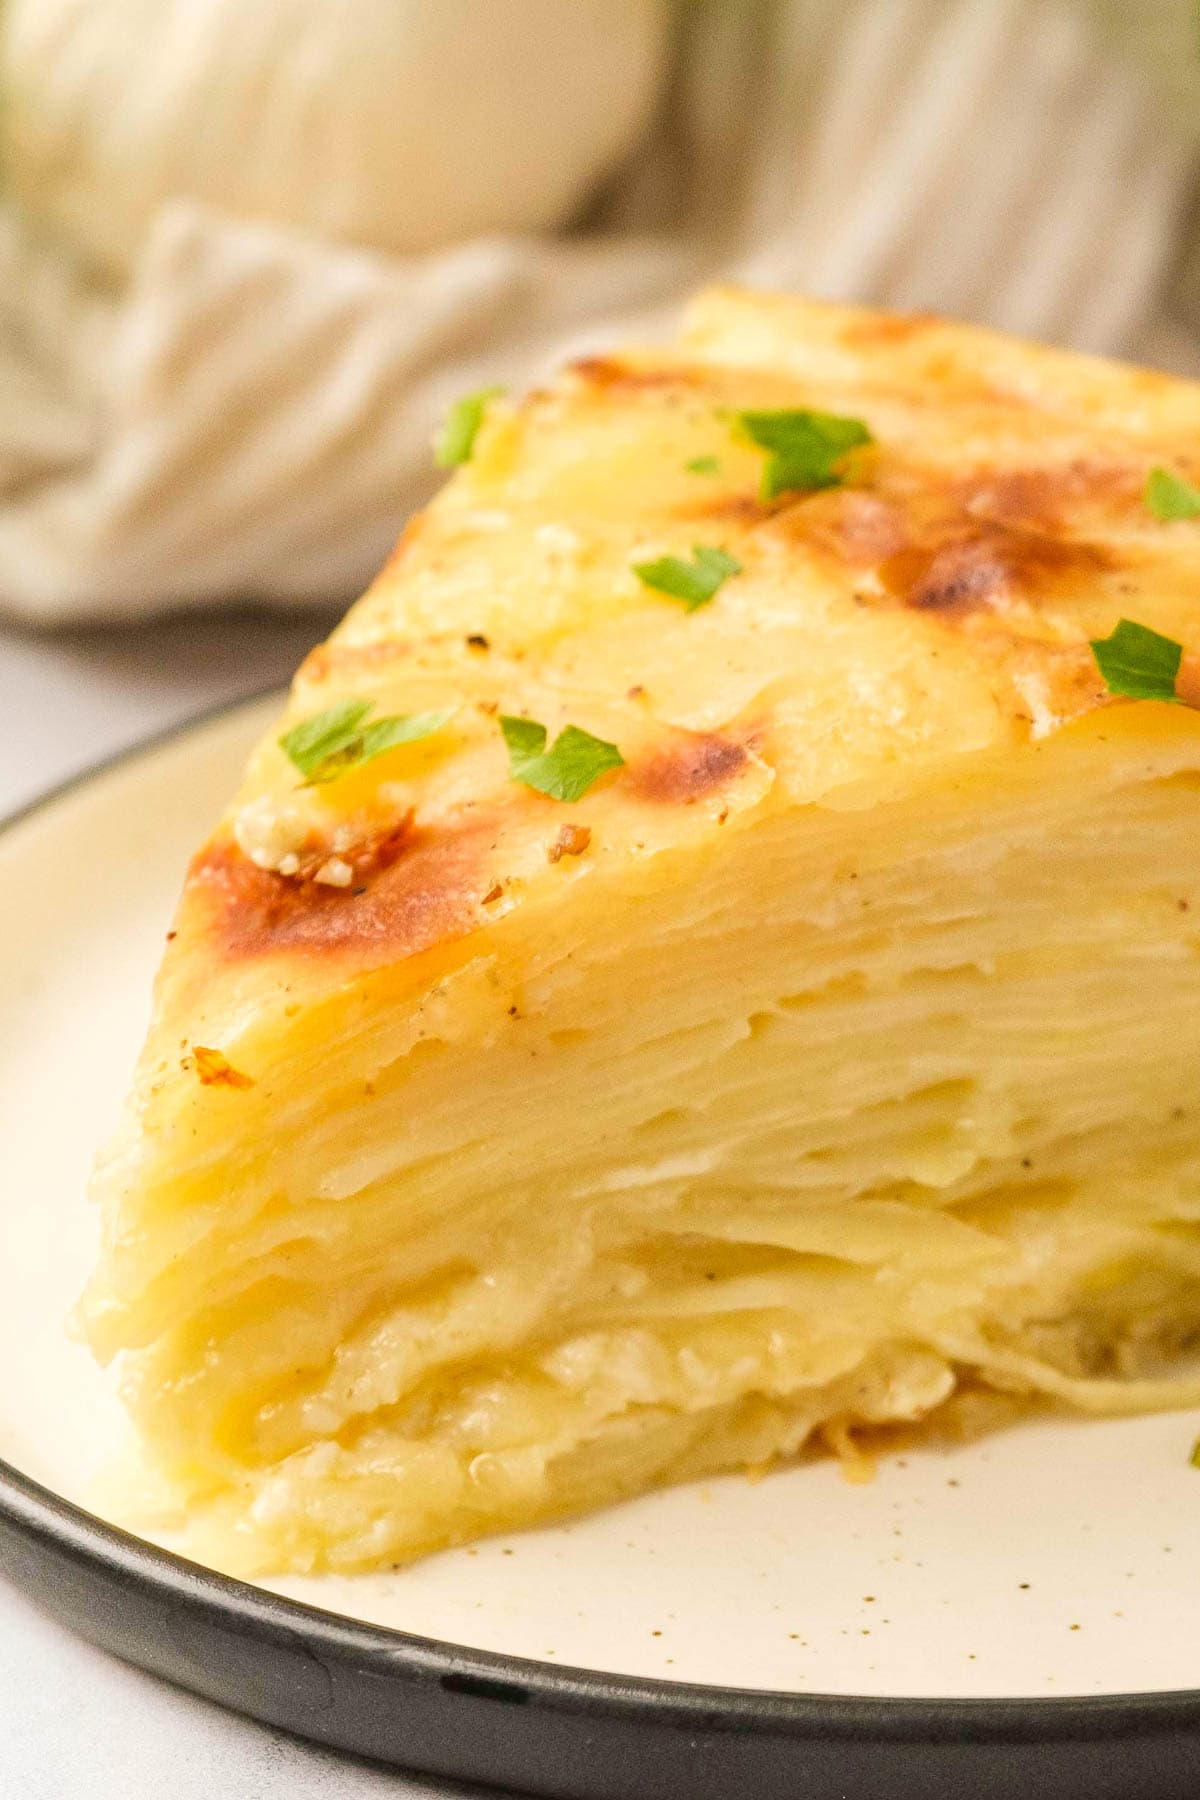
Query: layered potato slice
{"type": "Point", "coordinates": [493, 1156]}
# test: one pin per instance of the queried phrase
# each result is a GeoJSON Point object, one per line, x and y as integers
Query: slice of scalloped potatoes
{"type": "Point", "coordinates": [494, 1156]}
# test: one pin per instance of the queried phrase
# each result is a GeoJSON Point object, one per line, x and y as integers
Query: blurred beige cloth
{"type": "Point", "coordinates": [249, 417]}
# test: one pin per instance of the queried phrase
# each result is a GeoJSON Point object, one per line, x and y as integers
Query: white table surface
{"type": "Point", "coordinates": [74, 1723]}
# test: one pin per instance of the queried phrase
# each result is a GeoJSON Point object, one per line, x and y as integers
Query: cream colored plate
{"type": "Point", "coordinates": [1056, 1558]}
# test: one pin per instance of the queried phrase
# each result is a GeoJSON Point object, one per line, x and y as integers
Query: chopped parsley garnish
{"type": "Point", "coordinates": [338, 739]}
{"type": "Point", "coordinates": [1168, 496]}
{"type": "Point", "coordinates": [808, 450]}
{"type": "Point", "coordinates": [703, 465]}
{"type": "Point", "coordinates": [694, 583]}
{"type": "Point", "coordinates": [456, 440]}
{"type": "Point", "coordinates": [1138, 663]}
{"type": "Point", "coordinates": [1194, 1458]}
{"type": "Point", "coordinates": [567, 769]}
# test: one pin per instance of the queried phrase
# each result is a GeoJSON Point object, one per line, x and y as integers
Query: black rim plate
{"type": "Point", "coordinates": [577, 1734]}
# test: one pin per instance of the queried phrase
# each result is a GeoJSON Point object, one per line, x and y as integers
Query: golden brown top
{"type": "Point", "coordinates": [940, 601]}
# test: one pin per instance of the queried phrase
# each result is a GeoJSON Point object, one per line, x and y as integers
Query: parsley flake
{"type": "Point", "coordinates": [1168, 496]}
{"type": "Point", "coordinates": [703, 465]}
{"type": "Point", "coordinates": [325, 734]}
{"type": "Point", "coordinates": [338, 739]}
{"type": "Point", "coordinates": [456, 440]}
{"type": "Point", "coordinates": [1194, 1458]}
{"type": "Point", "coordinates": [807, 449]}
{"type": "Point", "coordinates": [694, 583]}
{"type": "Point", "coordinates": [1138, 663]}
{"type": "Point", "coordinates": [567, 769]}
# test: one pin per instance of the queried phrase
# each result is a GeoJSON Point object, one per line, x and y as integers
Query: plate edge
{"type": "Point", "coordinates": [33, 1513]}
